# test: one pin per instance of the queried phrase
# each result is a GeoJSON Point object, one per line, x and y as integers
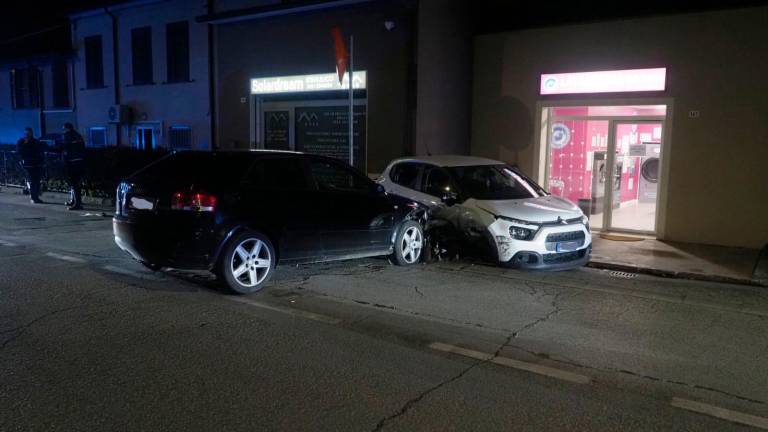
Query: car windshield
{"type": "Point", "coordinates": [495, 182]}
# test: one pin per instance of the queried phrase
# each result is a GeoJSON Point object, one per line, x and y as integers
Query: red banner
{"type": "Point", "coordinates": [340, 48]}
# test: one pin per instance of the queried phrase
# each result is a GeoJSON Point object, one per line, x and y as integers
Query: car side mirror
{"type": "Point", "coordinates": [378, 189]}
{"type": "Point", "coordinates": [449, 198]}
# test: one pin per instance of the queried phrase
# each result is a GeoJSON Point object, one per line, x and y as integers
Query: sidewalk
{"type": "Point", "coordinates": [678, 260]}
{"type": "Point", "coordinates": [61, 197]}
{"type": "Point", "coordinates": [54, 201]}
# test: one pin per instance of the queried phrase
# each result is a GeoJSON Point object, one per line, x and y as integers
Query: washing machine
{"type": "Point", "coordinates": [650, 169]}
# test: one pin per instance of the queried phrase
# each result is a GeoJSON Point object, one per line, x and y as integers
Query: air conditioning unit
{"type": "Point", "coordinates": [119, 114]}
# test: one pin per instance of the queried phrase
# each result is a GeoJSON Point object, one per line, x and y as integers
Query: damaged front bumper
{"type": "Point", "coordinates": [553, 247]}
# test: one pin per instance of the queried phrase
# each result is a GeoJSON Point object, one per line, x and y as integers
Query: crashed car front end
{"type": "Point", "coordinates": [552, 245]}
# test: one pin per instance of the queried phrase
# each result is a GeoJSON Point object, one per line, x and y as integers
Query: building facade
{"type": "Point", "coordinates": [279, 90]}
{"type": "Point", "coordinates": [141, 75]}
{"type": "Point", "coordinates": [37, 93]}
{"type": "Point", "coordinates": [653, 125]}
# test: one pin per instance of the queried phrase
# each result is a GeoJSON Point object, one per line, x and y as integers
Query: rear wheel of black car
{"type": "Point", "coordinates": [409, 244]}
{"type": "Point", "coordinates": [247, 263]}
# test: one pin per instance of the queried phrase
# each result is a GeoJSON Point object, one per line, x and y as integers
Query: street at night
{"type": "Point", "coordinates": [93, 341]}
{"type": "Point", "coordinates": [384, 215]}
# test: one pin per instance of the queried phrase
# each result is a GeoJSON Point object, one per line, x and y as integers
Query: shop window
{"type": "Point", "coordinates": [180, 137]}
{"type": "Point", "coordinates": [26, 88]}
{"type": "Point", "coordinates": [94, 62]}
{"type": "Point", "coordinates": [177, 51]}
{"type": "Point", "coordinates": [141, 55]}
{"type": "Point", "coordinates": [97, 136]}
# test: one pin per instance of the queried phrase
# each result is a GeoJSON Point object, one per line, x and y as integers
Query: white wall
{"type": "Point", "coordinates": [162, 104]}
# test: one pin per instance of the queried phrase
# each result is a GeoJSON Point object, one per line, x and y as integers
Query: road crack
{"type": "Point", "coordinates": [412, 402]}
{"type": "Point", "coordinates": [24, 327]}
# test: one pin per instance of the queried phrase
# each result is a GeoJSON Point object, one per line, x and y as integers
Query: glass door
{"type": "Point", "coordinates": [634, 153]}
{"type": "Point", "coordinates": [577, 162]}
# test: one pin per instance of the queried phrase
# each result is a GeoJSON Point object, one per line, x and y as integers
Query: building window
{"type": "Point", "coordinates": [180, 138]}
{"type": "Point", "coordinates": [60, 84]}
{"type": "Point", "coordinates": [94, 62]}
{"type": "Point", "coordinates": [145, 138]}
{"type": "Point", "coordinates": [97, 136]}
{"type": "Point", "coordinates": [141, 55]}
{"type": "Point", "coordinates": [26, 87]}
{"type": "Point", "coordinates": [177, 51]}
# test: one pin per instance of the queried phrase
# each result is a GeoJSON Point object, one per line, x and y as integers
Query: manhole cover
{"type": "Point", "coordinates": [623, 275]}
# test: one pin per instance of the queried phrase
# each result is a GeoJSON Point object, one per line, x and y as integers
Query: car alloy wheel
{"type": "Point", "coordinates": [251, 263]}
{"type": "Point", "coordinates": [411, 244]}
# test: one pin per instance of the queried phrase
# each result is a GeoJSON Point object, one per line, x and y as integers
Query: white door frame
{"type": "Point", "coordinates": [611, 164]}
{"type": "Point", "coordinates": [541, 144]}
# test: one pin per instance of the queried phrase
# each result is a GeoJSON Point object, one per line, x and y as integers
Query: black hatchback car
{"type": "Point", "coordinates": [239, 213]}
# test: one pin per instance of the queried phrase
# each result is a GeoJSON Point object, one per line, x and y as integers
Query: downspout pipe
{"type": "Point", "coordinates": [210, 8]}
{"type": "Point", "coordinates": [115, 71]}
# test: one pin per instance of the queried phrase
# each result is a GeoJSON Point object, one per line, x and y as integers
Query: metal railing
{"type": "Point", "coordinates": [13, 173]}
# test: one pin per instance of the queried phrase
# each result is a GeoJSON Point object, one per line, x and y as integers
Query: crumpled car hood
{"type": "Point", "coordinates": [541, 209]}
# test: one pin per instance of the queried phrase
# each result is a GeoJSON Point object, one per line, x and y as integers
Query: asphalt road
{"type": "Point", "coordinates": [89, 340]}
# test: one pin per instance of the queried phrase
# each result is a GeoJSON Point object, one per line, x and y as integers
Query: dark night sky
{"type": "Point", "coordinates": [489, 16]}
{"type": "Point", "coordinates": [35, 27]}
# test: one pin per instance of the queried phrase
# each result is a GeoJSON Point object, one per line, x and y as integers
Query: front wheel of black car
{"type": "Point", "coordinates": [247, 263]}
{"type": "Point", "coordinates": [409, 244]}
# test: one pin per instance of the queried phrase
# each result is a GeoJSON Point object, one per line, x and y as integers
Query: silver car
{"type": "Point", "coordinates": [492, 203]}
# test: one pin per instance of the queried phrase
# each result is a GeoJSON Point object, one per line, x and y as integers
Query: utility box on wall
{"type": "Point", "coordinates": [119, 114]}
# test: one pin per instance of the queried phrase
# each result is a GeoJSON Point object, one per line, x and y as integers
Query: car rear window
{"type": "Point", "coordinates": [197, 167]}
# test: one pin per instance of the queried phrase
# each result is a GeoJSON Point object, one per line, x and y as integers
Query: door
{"type": "Point", "coordinates": [577, 171]}
{"type": "Point", "coordinates": [145, 138]}
{"type": "Point", "coordinates": [354, 216]}
{"type": "Point", "coordinates": [635, 155]}
{"type": "Point", "coordinates": [278, 197]}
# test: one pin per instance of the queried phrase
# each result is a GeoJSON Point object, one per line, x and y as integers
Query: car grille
{"type": "Point", "coordinates": [558, 258]}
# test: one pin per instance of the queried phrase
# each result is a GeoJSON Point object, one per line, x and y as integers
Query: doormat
{"type": "Point", "coordinates": [616, 237]}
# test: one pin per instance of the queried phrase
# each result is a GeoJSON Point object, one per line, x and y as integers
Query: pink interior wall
{"type": "Point", "coordinates": [571, 167]}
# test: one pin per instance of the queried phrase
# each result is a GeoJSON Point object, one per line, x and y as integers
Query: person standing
{"type": "Point", "coordinates": [74, 162]}
{"type": "Point", "coordinates": [32, 156]}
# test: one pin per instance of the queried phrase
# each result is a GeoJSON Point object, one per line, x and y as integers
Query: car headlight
{"type": "Point", "coordinates": [585, 221]}
{"type": "Point", "coordinates": [520, 233]}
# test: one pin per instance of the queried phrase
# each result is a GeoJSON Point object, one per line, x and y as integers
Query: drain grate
{"type": "Point", "coordinates": [623, 275]}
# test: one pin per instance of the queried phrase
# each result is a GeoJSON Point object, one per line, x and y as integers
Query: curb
{"type": "Point", "coordinates": [675, 274]}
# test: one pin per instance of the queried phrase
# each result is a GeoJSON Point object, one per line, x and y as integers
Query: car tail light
{"type": "Point", "coordinates": [193, 201]}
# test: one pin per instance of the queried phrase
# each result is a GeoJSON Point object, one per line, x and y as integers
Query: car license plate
{"type": "Point", "coordinates": [139, 203]}
{"type": "Point", "coordinates": [568, 246]}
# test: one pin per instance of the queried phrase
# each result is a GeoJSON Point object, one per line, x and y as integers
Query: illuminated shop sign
{"type": "Point", "coordinates": [306, 83]}
{"type": "Point", "coordinates": [616, 81]}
